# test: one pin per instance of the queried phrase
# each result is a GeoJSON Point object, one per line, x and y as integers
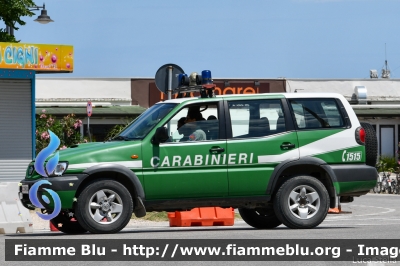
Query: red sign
{"type": "Point", "coordinates": [89, 108]}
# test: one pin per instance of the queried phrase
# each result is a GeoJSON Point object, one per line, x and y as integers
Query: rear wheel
{"type": "Point", "coordinates": [301, 202]}
{"type": "Point", "coordinates": [104, 206]}
{"type": "Point", "coordinates": [260, 218]}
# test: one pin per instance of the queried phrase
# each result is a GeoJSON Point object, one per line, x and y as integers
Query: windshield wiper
{"type": "Point", "coordinates": [120, 138]}
{"type": "Point", "coordinates": [123, 138]}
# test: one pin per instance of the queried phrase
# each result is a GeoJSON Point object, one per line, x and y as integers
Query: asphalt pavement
{"type": "Point", "coordinates": [373, 216]}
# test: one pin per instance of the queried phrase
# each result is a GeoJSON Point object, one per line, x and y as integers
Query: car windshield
{"type": "Point", "coordinates": [140, 127]}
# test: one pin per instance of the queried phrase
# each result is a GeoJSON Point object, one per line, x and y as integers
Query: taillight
{"type": "Point", "coordinates": [360, 136]}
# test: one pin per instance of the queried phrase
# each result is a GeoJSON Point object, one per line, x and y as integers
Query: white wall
{"type": "Point", "coordinates": [77, 91]}
{"type": "Point", "coordinates": [377, 89]}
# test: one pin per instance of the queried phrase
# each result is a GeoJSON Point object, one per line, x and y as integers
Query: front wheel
{"type": "Point", "coordinates": [66, 223]}
{"type": "Point", "coordinates": [301, 202]}
{"type": "Point", "coordinates": [104, 206]}
{"type": "Point", "coordinates": [260, 218]}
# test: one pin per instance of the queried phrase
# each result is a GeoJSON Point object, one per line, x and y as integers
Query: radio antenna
{"type": "Point", "coordinates": [385, 71]}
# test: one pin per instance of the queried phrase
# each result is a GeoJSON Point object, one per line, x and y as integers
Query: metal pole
{"type": "Point", "coordinates": [170, 68]}
{"type": "Point", "coordinates": [81, 132]}
{"type": "Point", "coordinates": [10, 30]}
{"type": "Point", "coordinates": [170, 82]}
{"type": "Point", "coordinates": [88, 129]}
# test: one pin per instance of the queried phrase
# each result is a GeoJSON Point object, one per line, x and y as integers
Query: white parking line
{"type": "Point", "coordinates": [353, 217]}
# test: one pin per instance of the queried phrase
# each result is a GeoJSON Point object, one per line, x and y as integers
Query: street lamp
{"type": "Point", "coordinates": [42, 19]}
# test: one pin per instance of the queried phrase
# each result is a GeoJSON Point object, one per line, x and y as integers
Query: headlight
{"type": "Point", "coordinates": [60, 169]}
{"type": "Point", "coordinates": [31, 168]}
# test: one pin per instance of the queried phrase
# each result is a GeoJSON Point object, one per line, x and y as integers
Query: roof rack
{"type": "Point", "coordinates": [206, 90]}
{"type": "Point", "coordinates": [195, 83]}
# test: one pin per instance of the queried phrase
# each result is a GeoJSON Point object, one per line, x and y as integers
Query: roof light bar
{"type": "Point", "coordinates": [196, 83]}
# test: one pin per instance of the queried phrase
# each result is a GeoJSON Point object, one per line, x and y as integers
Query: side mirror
{"type": "Point", "coordinates": [160, 136]}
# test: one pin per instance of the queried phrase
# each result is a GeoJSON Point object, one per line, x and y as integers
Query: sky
{"type": "Point", "coordinates": [332, 39]}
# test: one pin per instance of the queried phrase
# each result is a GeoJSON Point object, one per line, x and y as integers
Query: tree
{"type": "Point", "coordinates": [11, 12]}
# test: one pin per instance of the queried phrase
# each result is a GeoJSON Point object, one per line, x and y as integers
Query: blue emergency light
{"type": "Point", "coordinates": [196, 83]}
{"type": "Point", "coordinates": [183, 80]}
{"type": "Point", "coordinates": [206, 79]}
{"type": "Point", "coordinates": [203, 79]}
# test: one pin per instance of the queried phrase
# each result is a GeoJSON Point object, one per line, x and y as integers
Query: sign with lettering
{"type": "Point", "coordinates": [38, 57]}
{"type": "Point", "coordinates": [235, 87]}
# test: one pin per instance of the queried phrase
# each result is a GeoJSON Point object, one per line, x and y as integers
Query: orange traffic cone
{"type": "Point", "coordinates": [53, 228]}
{"type": "Point", "coordinates": [338, 208]}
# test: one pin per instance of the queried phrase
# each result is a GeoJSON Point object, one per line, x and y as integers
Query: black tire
{"type": "Point", "coordinates": [377, 189]}
{"type": "Point", "coordinates": [67, 223]}
{"type": "Point", "coordinates": [260, 218]}
{"type": "Point", "coordinates": [311, 198]}
{"type": "Point", "coordinates": [371, 144]}
{"type": "Point", "coordinates": [395, 189]}
{"type": "Point", "coordinates": [104, 206]}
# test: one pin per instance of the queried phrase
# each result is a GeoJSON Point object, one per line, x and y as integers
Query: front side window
{"type": "Point", "coordinates": [256, 118]}
{"type": "Point", "coordinates": [316, 113]}
{"type": "Point", "coordinates": [194, 123]}
{"type": "Point", "coordinates": [140, 127]}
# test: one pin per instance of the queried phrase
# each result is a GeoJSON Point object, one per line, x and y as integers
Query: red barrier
{"type": "Point", "coordinates": [207, 216]}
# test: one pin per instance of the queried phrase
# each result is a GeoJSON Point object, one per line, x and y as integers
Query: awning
{"type": "Point", "coordinates": [382, 110]}
{"type": "Point", "coordinates": [97, 111]}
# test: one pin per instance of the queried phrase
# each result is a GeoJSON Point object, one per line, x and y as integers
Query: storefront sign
{"type": "Point", "coordinates": [220, 89]}
{"type": "Point", "coordinates": [38, 57]}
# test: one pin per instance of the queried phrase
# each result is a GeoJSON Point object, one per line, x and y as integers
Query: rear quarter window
{"type": "Point", "coordinates": [316, 113]}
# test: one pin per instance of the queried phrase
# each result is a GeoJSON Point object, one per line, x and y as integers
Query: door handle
{"type": "Point", "coordinates": [217, 150]}
{"type": "Point", "coordinates": [287, 146]}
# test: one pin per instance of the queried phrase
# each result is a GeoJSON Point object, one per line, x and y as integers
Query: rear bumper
{"type": "Point", "coordinates": [354, 180]}
{"type": "Point", "coordinates": [351, 172]}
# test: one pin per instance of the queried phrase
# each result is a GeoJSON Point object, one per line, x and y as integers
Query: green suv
{"type": "Point", "coordinates": [278, 158]}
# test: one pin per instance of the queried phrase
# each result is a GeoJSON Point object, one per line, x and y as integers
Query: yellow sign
{"type": "Point", "coordinates": [38, 57]}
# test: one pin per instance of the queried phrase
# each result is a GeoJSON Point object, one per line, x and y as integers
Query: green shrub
{"type": "Point", "coordinates": [387, 164]}
{"type": "Point", "coordinates": [66, 129]}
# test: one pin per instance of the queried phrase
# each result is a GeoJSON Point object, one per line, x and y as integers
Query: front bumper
{"type": "Point", "coordinates": [65, 186]}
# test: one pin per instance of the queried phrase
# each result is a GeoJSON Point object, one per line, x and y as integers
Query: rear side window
{"type": "Point", "coordinates": [256, 118]}
{"type": "Point", "coordinates": [316, 113]}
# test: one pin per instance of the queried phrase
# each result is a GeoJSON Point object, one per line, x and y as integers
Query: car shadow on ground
{"type": "Point", "coordinates": [176, 229]}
